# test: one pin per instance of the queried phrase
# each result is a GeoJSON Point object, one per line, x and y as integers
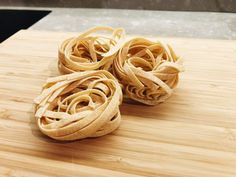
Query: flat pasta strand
{"type": "Point", "coordinates": [85, 102]}
{"type": "Point", "coordinates": [90, 51]}
{"type": "Point", "coordinates": [79, 105]}
{"type": "Point", "coordinates": [147, 70]}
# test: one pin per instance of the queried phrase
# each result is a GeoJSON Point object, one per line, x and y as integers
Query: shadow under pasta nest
{"type": "Point", "coordinates": [138, 110]}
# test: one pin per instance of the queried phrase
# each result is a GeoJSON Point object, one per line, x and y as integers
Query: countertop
{"type": "Point", "coordinates": [144, 22]}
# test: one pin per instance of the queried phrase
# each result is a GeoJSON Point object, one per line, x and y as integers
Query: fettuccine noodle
{"type": "Point", "coordinates": [90, 51]}
{"type": "Point", "coordinates": [79, 105]}
{"type": "Point", "coordinates": [85, 103]}
{"type": "Point", "coordinates": [147, 70]}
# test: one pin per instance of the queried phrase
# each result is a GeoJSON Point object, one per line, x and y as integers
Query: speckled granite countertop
{"type": "Point", "coordinates": [152, 23]}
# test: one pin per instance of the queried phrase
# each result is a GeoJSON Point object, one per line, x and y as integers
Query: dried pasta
{"type": "Point", "coordinates": [90, 51]}
{"type": "Point", "coordinates": [79, 105]}
{"type": "Point", "coordinates": [148, 70]}
{"type": "Point", "coordinates": [85, 102]}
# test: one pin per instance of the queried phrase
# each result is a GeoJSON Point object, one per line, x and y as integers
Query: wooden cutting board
{"type": "Point", "coordinates": [191, 134]}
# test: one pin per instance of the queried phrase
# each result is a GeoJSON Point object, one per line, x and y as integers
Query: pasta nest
{"type": "Point", "coordinates": [90, 51]}
{"type": "Point", "coordinates": [147, 70]}
{"type": "Point", "coordinates": [79, 105]}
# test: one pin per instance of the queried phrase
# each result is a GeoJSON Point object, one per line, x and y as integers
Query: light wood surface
{"type": "Point", "coordinates": [192, 134]}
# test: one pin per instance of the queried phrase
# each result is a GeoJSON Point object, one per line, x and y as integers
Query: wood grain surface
{"type": "Point", "coordinates": [192, 134]}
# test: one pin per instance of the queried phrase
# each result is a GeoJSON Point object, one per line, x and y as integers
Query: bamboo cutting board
{"type": "Point", "coordinates": [192, 134]}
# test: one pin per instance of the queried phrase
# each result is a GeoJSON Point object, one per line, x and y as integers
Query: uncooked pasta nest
{"type": "Point", "coordinates": [147, 70]}
{"type": "Point", "coordinates": [79, 105]}
{"type": "Point", "coordinates": [90, 51]}
{"type": "Point", "coordinates": [85, 103]}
